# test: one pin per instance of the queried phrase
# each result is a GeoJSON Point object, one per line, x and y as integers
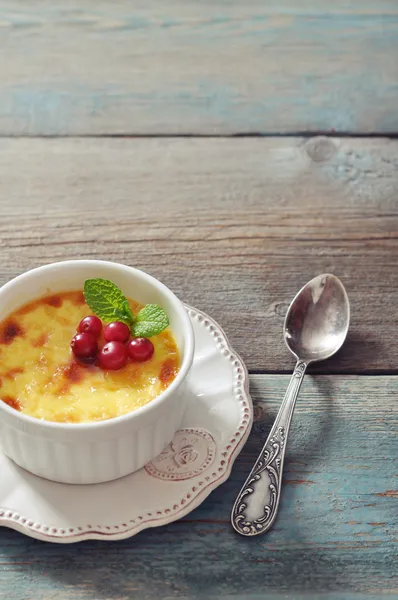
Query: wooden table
{"type": "Point", "coordinates": [234, 150]}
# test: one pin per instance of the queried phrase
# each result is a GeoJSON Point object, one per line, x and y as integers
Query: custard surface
{"type": "Point", "coordinates": [40, 377]}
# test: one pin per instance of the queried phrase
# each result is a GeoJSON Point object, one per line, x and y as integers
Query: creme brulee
{"type": "Point", "coordinates": [40, 377]}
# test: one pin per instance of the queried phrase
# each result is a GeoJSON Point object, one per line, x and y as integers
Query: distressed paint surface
{"type": "Point", "coordinates": [86, 68]}
{"type": "Point", "coordinates": [234, 227]}
{"type": "Point", "coordinates": [335, 536]}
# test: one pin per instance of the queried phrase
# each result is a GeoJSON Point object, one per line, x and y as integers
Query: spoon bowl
{"type": "Point", "coordinates": [317, 320]}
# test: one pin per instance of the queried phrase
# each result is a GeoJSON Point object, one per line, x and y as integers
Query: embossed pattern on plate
{"type": "Point", "coordinates": [191, 452]}
{"type": "Point", "coordinates": [215, 427]}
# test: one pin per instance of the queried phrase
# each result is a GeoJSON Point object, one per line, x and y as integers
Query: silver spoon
{"type": "Point", "coordinates": [316, 326]}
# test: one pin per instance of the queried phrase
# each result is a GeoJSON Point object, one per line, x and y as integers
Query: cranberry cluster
{"type": "Point", "coordinates": [117, 349]}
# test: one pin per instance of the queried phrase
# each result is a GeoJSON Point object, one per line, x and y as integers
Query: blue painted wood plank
{"type": "Point", "coordinates": [202, 68]}
{"type": "Point", "coordinates": [334, 539]}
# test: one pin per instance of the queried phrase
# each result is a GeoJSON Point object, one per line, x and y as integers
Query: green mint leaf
{"type": "Point", "coordinates": [150, 321]}
{"type": "Point", "coordinates": [107, 301]}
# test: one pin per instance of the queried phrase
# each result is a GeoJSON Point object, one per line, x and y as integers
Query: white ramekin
{"type": "Point", "coordinates": [104, 450]}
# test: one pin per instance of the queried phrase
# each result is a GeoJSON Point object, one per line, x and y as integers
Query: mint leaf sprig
{"type": "Point", "coordinates": [108, 302]}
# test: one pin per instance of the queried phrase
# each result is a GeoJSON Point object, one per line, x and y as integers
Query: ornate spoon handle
{"type": "Point", "coordinates": [256, 506]}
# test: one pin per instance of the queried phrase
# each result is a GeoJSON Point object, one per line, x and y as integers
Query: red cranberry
{"type": "Point", "coordinates": [113, 356]}
{"type": "Point", "coordinates": [84, 346]}
{"type": "Point", "coordinates": [91, 324]}
{"type": "Point", "coordinates": [116, 332]}
{"type": "Point", "coordinates": [140, 349]}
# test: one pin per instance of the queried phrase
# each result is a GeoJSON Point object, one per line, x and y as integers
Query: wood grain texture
{"type": "Point", "coordinates": [85, 67]}
{"type": "Point", "coordinates": [234, 227]}
{"type": "Point", "coordinates": [335, 536]}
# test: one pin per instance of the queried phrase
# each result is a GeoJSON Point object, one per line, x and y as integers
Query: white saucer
{"type": "Point", "coordinates": [215, 427]}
